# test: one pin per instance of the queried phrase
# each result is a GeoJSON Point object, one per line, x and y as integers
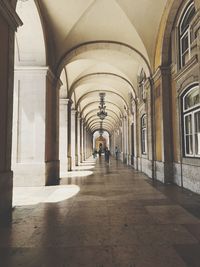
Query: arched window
{"type": "Point", "coordinates": [185, 34]}
{"type": "Point", "coordinates": [144, 134]}
{"type": "Point", "coordinates": [191, 120]}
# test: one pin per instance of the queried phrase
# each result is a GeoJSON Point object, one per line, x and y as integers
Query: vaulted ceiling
{"type": "Point", "coordinates": [101, 46]}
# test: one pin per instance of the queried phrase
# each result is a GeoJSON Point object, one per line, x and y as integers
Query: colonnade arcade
{"type": "Point", "coordinates": [56, 61]}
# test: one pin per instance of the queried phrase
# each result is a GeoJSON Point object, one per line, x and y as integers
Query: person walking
{"type": "Point", "coordinates": [107, 155]}
{"type": "Point", "coordinates": [116, 153]}
{"type": "Point", "coordinates": [94, 153]}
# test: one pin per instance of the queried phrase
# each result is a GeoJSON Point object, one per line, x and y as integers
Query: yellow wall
{"type": "Point", "coordinates": [158, 124]}
{"type": "Point", "coordinates": [160, 37]}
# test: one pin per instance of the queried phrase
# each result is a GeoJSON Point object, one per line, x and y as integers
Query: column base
{"type": "Point", "coordinates": [6, 191]}
{"type": "Point", "coordinates": [69, 163]}
{"type": "Point", "coordinates": [29, 174]}
{"type": "Point", "coordinates": [168, 168]}
{"type": "Point", "coordinates": [52, 174]}
{"type": "Point", "coordinates": [64, 165]}
{"type": "Point", "coordinates": [164, 172]}
{"type": "Point", "coordinates": [76, 160]}
{"type": "Point", "coordinates": [36, 174]}
{"type": "Point", "coordinates": [81, 158]}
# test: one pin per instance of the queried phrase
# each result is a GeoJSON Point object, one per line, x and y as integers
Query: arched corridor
{"type": "Point", "coordinates": [85, 80]}
{"type": "Point", "coordinates": [114, 220]}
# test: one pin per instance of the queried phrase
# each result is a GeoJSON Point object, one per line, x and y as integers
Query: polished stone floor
{"type": "Point", "coordinates": [103, 216]}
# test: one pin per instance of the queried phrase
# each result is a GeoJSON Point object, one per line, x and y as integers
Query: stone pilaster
{"type": "Point", "coordinates": [9, 21]}
{"type": "Point", "coordinates": [164, 166]}
{"type": "Point", "coordinates": [78, 137]}
{"type": "Point", "coordinates": [52, 163]}
{"type": "Point", "coordinates": [81, 140]}
{"type": "Point", "coordinates": [28, 151]}
{"type": "Point", "coordinates": [69, 153]}
{"type": "Point", "coordinates": [63, 142]}
{"type": "Point", "coordinates": [84, 142]}
{"type": "Point", "coordinates": [73, 137]}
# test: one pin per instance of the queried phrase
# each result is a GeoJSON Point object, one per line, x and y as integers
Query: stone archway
{"type": "Point", "coordinates": [100, 143]}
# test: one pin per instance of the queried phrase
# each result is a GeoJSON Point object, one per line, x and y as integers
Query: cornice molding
{"type": "Point", "coordinates": [161, 70]}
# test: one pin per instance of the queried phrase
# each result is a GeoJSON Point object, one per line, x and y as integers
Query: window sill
{"type": "Point", "coordinates": [191, 161]}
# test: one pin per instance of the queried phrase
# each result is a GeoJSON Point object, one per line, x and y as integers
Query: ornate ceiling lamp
{"type": "Point", "coordinates": [102, 108]}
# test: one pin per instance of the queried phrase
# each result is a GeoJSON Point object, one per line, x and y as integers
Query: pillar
{"type": "Point", "coordinates": [78, 143]}
{"type": "Point", "coordinates": [69, 153]}
{"type": "Point", "coordinates": [35, 128]}
{"type": "Point", "coordinates": [124, 139]}
{"type": "Point", "coordinates": [63, 135]}
{"type": "Point", "coordinates": [73, 137]}
{"type": "Point", "coordinates": [9, 21]}
{"type": "Point", "coordinates": [163, 128]}
{"type": "Point", "coordinates": [84, 142]}
{"type": "Point", "coordinates": [52, 163]}
{"type": "Point", "coordinates": [81, 140]}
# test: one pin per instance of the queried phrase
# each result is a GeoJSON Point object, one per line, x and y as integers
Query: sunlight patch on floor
{"type": "Point", "coordinates": [75, 174]}
{"type": "Point", "coordinates": [23, 196]}
{"type": "Point", "coordinates": [84, 167]}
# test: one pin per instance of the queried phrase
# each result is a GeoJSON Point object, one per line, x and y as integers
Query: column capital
{"type": "Point", "coordinates": [10, 14]}
{"type": "Point", "coordinates": [73, 111]}
{"type": "Point", "coordinates": [78, 115]}
{"type": "Point", "coordinates": [161, 70]}
{"type": "Point", "coordinates": [69, 101]}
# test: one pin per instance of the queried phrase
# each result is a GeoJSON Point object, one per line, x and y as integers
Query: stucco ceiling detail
{"type": "Point", "coordinates": [102, 45]}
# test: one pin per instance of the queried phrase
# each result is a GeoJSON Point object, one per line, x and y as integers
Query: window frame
{"type": "Point", "coordinates": [144, 134]}
{"type": "Point", "coordinates": [186, 113]}
{"type": "Point", "coordinates": [183, 34]}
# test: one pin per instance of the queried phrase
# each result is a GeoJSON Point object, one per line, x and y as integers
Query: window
{"type": "Point", "coordinates": [185, 35]}
{"type": "Point", "coordinates": [191, 120]}
{"type": "Point", "coordinates": [144, 134]}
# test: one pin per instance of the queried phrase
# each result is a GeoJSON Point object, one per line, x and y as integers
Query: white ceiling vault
{"type": "Point", "coordinates": [101, 46]}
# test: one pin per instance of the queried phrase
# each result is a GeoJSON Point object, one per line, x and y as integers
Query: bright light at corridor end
{"type": "Point", "coordinates": [23, 196]}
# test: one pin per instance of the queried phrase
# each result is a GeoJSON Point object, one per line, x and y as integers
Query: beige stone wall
{"type": "Point", "coordinates": [175, 131]}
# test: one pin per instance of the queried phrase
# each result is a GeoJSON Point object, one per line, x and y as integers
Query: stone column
{"type": "Point", "coordinates": [36, 127]}
{"type": "Point", "coordinates": [128, 142]}
{"type": "Point", "coordinates": [81, 140]}
{"type": "Point", "coordinates": [123, 148]}
{"type": "Point", "coordinates": [113, 143]}
{"type": "Point", "coordinates": [86, 147]}
{"type": "Point", "coordinates": [78, 135]}
{"type": "Point", "coordinates": [63, 144]}
{"type": "Point", "coordinates": [28, 153]}
{"type": "Point", "coordinates": [167, 125]}
{"type": "Point", "coordinates": [110, 143]}
{"type": "Point", "coordinates": [163, 125]}
{"type": "Point", "coordinates": [69, 153]}
{"type": "Point", "coordinates": [124, 138]}
{"type": "Point", "coordinates": [9, 21]}
{"type": "Point", "coordinates": [73, 137]}
{"type": "Point", "coordinates": [52, 163]}
{"type": "Point", "coordinates": [84, 142]}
